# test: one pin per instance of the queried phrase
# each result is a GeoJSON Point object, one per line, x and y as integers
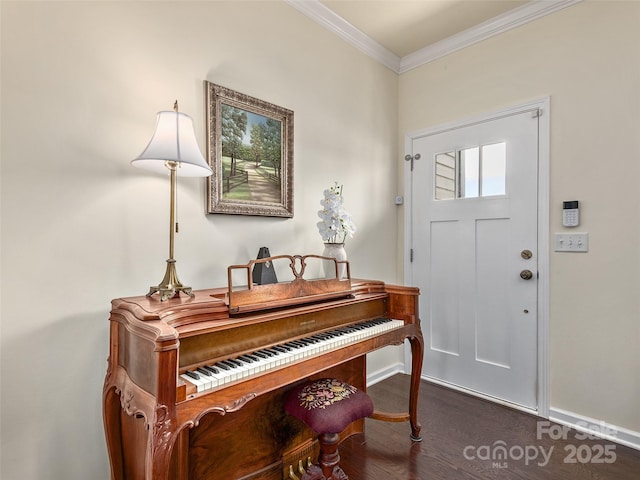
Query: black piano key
{"type": "Point", "coordinates": [193, 375]}
{"type": "Point", "coordinates": [222, 366]}
{"type": "Point", "coordinates": [229, 363]}
{"type": "Point", "coordinates": [212, 369]}
{"type": "Point", "coordinates": [203, 371]}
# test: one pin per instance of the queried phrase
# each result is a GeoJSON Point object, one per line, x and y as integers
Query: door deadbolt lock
{"type": "Point", "coordinates": [526, 274]}
{"type": "Point", "coordinates": [526, 254]}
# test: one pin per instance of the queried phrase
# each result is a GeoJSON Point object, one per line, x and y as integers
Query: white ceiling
{"type": "Point", "coordinates": [404, 34]}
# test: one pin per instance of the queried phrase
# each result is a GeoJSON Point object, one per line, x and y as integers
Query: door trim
{"type": "Point", "coordinates": [544, 105]}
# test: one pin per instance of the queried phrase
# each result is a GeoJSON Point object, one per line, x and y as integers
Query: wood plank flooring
{"type": "Point", "coordinates": [462, 433]}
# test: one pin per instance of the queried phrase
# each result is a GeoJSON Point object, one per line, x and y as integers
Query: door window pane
{"type": "Point", "coordinates": [469, 173]}
{"type": "Point", "coordinates": [494, 169]}
{"type": "Point", "coordinates": [445, 176]}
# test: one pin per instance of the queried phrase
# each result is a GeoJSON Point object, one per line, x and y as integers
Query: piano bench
{"type": "Point", "coordinates": [327, 406]}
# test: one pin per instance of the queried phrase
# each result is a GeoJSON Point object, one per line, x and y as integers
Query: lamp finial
{"type": "Point", "coordinates": [175, 106]}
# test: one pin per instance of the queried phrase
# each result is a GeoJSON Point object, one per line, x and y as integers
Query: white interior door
{"type": "Point", "coordinates": [475, 255]}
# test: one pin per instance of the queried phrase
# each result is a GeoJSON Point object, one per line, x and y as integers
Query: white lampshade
{"type": "Point", "coordinates": [174, 140]}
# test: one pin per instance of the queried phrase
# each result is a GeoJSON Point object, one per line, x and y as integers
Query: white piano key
{"type": "Point", "coordinates": [201, 385]}
{"type": "Point", "coordinates": [219, 378]}
{"type": "Point", "coordinates": [212, 382]}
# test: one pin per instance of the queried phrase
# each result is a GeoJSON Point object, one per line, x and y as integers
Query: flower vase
{"type": "Point", "coordinates": [337, 251]}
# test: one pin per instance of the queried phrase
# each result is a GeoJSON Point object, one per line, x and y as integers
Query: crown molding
{"type": "Point", "coordinates": [514, 18]}
{"type": "Point", "coordinates": [338, 25]}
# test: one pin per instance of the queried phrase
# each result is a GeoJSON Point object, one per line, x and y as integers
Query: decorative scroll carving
{"type": "Point", "coordinates": [239, 403]}
{"type": "Point", "coordinates": [163, 432]}
{"type": "Point", "coordinates": [223, 410]}
{"type": "Point", "coordinates": [133, 400]}
{"type": "Point", "coordinates": [107, 377]}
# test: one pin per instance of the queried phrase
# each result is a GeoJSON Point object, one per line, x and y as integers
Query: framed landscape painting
{"type": "Point", "coordinates": [250, 149]}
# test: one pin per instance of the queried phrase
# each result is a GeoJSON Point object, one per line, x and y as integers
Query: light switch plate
{"type": "Point", "coordinates": [572, 242]}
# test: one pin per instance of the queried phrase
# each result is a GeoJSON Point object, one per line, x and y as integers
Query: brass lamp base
{"type": "Point", "coordinates": [170, 285]}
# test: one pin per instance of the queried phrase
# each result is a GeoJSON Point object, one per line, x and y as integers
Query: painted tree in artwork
{"type": "Point", "coordinates": [234, 126]}
{"type": "Point", "coordinates": [273, 144]}
{"type": "Point", "coordinates": [257, 143]}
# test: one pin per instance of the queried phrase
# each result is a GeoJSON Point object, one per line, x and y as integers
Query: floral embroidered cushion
{"type": "Point", "coordinates": [328, 405]}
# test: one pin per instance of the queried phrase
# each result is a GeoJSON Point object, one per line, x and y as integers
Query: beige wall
{"type": "Point", "coordinates": [81, 84]}
{"type": "Point", "coordinates": [587, 59]}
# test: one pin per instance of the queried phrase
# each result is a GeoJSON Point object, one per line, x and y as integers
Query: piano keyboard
{"type": "Point", "coordinates": [230, 370]}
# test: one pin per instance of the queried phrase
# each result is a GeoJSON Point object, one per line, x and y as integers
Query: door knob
{"type": "Point", "coordinates": [526, 274]}
{"type": "Point", "coordinates": [526, 254]}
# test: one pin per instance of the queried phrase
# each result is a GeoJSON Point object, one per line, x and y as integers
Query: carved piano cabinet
{"type": "Point", "coordinates": [160, 425]}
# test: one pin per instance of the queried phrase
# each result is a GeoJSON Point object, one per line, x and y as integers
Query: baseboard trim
{"type": "Point", "coordinates": [597, 428]}
{"type": "Point", "coordinates": [384, 373]}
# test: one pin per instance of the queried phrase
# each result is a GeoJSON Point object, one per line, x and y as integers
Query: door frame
{"type": "Point", "coordinates": [543, 105]}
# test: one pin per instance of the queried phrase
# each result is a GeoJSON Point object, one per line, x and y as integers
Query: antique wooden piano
{"type": "Point", "coordinates": [194, 385]}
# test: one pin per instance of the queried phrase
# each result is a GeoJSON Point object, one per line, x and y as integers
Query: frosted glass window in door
{"type": "Point", "coordinates": [469, 173]}
{"type": "Point", "coordinates": [494, 169]}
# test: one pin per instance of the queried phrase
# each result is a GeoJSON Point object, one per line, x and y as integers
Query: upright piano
{"type": "Point", "coordinates": [194, 388]}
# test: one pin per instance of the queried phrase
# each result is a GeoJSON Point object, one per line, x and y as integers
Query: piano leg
{"type": "Point", "coordinates": [417, 350]}
{"type": "Point", "coordinates": [417, 353]}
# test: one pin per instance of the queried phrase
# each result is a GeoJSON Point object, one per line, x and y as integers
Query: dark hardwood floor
{"type": "Point", "coordinates": [462, 433]}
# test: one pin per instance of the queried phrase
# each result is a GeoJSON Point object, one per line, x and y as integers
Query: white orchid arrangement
{"type": "Point", "coordinates": [336, 223]}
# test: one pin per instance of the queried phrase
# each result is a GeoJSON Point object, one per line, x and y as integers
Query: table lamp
{"type": "Point", "coordinates": [173, 148]}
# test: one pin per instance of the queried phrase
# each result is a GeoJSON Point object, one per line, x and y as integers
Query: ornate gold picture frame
{"type": "Point", "coordinates": [250, 149]}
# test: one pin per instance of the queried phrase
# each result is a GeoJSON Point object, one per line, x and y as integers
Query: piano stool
{"type": "Point", "coordinates": [327, 406]}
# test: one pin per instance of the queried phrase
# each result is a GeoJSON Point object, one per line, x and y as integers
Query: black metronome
{"type": "Point", "coordinates": [263, 272]}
